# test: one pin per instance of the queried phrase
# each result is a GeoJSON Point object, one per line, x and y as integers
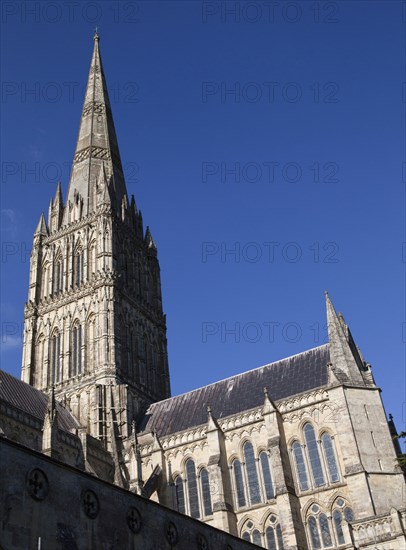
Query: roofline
{"type": "Point", "coordinates": [236, 375]}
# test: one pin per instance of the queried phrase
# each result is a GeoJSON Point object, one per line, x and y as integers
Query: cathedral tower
{"type": "Point", "coordinates": [94, 326]}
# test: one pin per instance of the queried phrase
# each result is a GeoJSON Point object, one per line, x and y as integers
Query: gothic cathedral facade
{"type": "Point", "coordinates": [297, 454]}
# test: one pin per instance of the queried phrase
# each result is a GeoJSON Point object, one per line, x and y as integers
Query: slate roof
{"type": "Point", "coordinates": [284, 378]}
{"type": "Point", "coordinates": [32, 401]}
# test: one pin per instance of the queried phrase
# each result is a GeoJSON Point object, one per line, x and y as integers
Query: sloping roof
{"type": "Point", "coordinates": [32, 401]}
{"type": "Point", "coordinates": [284, 378]}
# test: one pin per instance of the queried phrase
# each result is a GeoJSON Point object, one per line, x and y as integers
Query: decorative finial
{"type": "Point", "coordinates": [326, 293]}
{"type": "Point", "coordinates": [209, 409]}
{"type": "Point", "coordinates": [96, 34]}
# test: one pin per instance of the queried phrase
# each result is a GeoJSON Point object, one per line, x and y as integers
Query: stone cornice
{"type": "Point", "coordinates": [77, 224]}
{"type": "Point", "coordinates": [239, 420]}
{"type": "Point", "coordinates": [50, 303]}
{"type": "Point", "coordinates": [302, 400]}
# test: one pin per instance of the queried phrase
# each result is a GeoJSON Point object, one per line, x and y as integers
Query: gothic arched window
{"type": "Point", "coordinates": [78, 267]}
{"type": "Point", "coordinates": [328, 449]}
{"type": "Point", "coordinates": [279, 537]}
{"type": "Point", "coordinates": [91, 261]}
{"type": "Point", "coordinates": [39, 362]}
{"type": "Point", "coordinates": [300, 466]}
{"type": "Point", "coordinates": [180, 495]}
{"type": "Point", "coordinates": [340, 511]}
{"type": "Point", "coordinates": [44, 280]}
{"type": "Point", "coordinates": [266, 475]}
{"type": "Point", "coordinates": [76, 350]}
{"type": "Point", "coordinates": [348, 514]}
{"type": "Point", "coordinates": [270, 538]}
{"type": "Point", "coordinates": [91, 345]}
{"type": "Point", "coordinates": [313, 454]}
{"type": "Point", "coordinates": [337, 518]}
{"type": "Point", "coordinates": [56, 357]}
{"type": "Point", "coordinates": [239, 484]}
{"type": "Point", "coordinates": [319, 529]}
{"type": "Point", "coordinates": [252, 474]}
{"type": "Point", "coordinates": [256, 537]}
{"type": "Point", "coordinates": [205, 488]}
{"type": "Point", "coordinates": [325, 531]}
{"type": "Point", "coordinates": [193, 495]}
{"type": "Point", "coordinates": [58, 275]}
{"type": "Point", "coordinates": [314, 533]}
{"type": "Point", "coordinates": [250, 533]}
{"type": "Point", "coordinates": [273, 534]}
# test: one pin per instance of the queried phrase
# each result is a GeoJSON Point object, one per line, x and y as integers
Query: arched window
{"type": "Point", "coordinates": [279, 537]}
{"type": "Point", "coordinates": [300, 466]}
{"type": "Point", "coordinates": [76, 350]}
{"type": "Point", "coordinates": [56, 357]}
{"type": "Point", "coordinates": [340, 510]}
{"type": "Point", "coordinates": [348, 514]}
{"type": "Point", "coordinates": [270, 538]}
{"type": "Point", "coordinates": [314, 533]}
{"type": "Point", "coordinates": [319, 529]}
{"type": "Point", "coordinates": [44, 280]}
{"type": "Point", "coordinates": [252, 474]}
{"type": "Point", "coordinates": [91, 261]}
{"type": "Point", "coordinates": [239, 484]}
{"type": "Point", "coordinates": [328, 449]}
{"type": "Point", "coordinates": [325, 531]}
{"type": "Point", "coordinates": [337, 518]}
{"type": "Point", "coordinates": [313, 454]}
{"type": "Point", "coordinates": [266, 475]}
{"type": "Point", "coordinates": [37, 381]}
{"type": "Point", "coordinates": [256, 537]}
{"type": "Point", "coordinates": [205, 488]}
{"type": "Point", "coordinates": [250, 533]}
{"type": "Point", "coordinates": [180, 495]}
{"type": "Point", "coordinates": [192, 489]}
{"type": "Point", "coordinates": [273, 534]}
{"type": "Point", "coordinates": [78, 267]}
{"type": "Point", "coordinates": [58, 276]}
{"type": "Point", "coordinates": [91, 344]}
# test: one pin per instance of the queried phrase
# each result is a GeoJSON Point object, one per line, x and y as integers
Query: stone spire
{"type": "Point", "coordinates": [42, 226]}
{"type": "Point", "coordinates": [149, 240]}
{"type": "Point", "coordinates": [96, 146]}
{"type": "Point", "coordinates": [345, 360]}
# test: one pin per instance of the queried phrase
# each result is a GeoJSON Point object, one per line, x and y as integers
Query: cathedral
{"type": "Point", "coordinates": [294, 455]}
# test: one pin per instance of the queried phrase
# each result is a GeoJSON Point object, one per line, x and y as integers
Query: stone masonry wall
{"type": "Point", "coordinates": [48, 505]}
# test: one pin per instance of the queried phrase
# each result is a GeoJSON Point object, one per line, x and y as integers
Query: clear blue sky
{"type": "Point", "coordinates": [314, 131]}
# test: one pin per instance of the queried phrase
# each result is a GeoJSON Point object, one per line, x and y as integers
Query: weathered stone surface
{"type": "Point", "coordinates": [81, 512]}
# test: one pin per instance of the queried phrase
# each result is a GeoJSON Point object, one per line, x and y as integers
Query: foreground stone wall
{"type": "Point", "coordinates": [48, 505]}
